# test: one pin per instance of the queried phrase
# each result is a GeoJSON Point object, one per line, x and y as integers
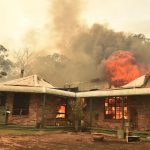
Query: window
{"type": "Point", "coordinates": [61, 111]}
{"type": "Point", "coordinates": [21, 104]}
{"type": "Point", "coordinates": [113, 108]}
{"type": "Point", "coordinates": [2, 100]}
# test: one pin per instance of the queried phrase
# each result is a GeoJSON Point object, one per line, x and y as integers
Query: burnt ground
{"type": "Point", "coordinates": [65, 141]}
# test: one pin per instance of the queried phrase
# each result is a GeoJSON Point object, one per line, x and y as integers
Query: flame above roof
{"type": "Point", "coordinates": [30, 81]}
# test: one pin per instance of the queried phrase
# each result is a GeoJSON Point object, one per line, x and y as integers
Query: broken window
{"type": "Point", "coordinates": [21, 104]}
{"type": "Point", "coordinates": [61, 111]}
{"type": "Point", "coordinates": [113, 108]}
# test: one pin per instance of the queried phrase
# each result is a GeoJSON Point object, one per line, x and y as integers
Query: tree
{"type": "Point", "coordinates": [5, 63]}
{"type": "Point", "coordinates": [77, 106]}
{"type": "Point", "coordinates": [23, 59]}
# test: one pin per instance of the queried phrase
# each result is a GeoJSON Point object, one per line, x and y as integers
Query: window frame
{"type": "Point", "coordinates": [21, 109]}
{"type": "Point", "coordinates": [115, 107]}
{"type": "Point", "coordinates": [2, 100]}
{"type": "Point", "coordinates": [59, 113]}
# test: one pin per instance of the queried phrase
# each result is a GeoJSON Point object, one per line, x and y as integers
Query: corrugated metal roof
{"type": "Point", "coordinates": [34, 84]}
{"type": "Point", "coordinates": [31, 81]}
{"type": "Point", "coordinates": [138, 86]}
{"type": "Point", "coordinates": [139, 82]}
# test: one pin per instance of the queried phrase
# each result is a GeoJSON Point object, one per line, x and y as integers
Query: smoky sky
{"type": "Point", "coordinates": [85, 48]}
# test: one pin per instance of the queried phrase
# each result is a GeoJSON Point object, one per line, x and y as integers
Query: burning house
{"type": "Point", "coordinates": [115, 108]}
{"type": "Point", "coordinates": [33, 101]}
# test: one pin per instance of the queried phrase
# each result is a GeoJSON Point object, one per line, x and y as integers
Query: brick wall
{"type": "Point", "coordinates": [51, 109]}
{"type": "Point", "coordinates": [138, 113]}
{"type": "Point", "coordinates": [98, 119]}
{"type": "Point", "coordinates": [139, 106]}
{"type": "Point", "coordinates": [34, 111]}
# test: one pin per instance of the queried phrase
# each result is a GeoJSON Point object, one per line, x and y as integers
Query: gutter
{"type": "Point", "coordinates": [121, 92]}
{"type": "Point", "coordinates": [99, 93]}
{"type": "Point", "coordinates": [43, 90]}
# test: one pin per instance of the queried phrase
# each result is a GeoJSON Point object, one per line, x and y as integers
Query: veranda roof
{"type": "Point", "coordinates": [115, 92]}
{"type": "Point", "coordinates": [32, 84]}
{"type": "Point", "coordinates": [39, 85]}
{"type": "Point", "coordinates": [139, 86]}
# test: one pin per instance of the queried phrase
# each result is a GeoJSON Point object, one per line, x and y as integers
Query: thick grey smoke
{"type": "Point", "coordinates": [85, 48]}
{"type": "Point", "coordinates": [65, 20]}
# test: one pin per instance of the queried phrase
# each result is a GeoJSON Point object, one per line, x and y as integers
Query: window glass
{"type": "Point", "coordinates": [113, 108]}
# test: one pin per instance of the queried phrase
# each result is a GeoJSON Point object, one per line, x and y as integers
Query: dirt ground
{"type": "Point", "coordinates": [65, 141]}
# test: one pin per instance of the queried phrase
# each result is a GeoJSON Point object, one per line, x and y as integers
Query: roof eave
{"type": "Point", "coordinates": [25, 89]}
{"type": "Point", "coordinates": [121, 92]}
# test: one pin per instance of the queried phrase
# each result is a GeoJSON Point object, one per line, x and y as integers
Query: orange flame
{"type": "Point", "coordinates": [121, 68]}
{"type": "Point", "coordinates": [61, 112]}
{"type": "Point", "coordinates": [61, 109]}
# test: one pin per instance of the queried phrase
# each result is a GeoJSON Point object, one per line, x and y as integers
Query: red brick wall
{"type": "Point", "coordinates": [52, 103]}
{"type": "Point", "coordinates": [34, 111]}
{"type": "Point", "coordinates": [98, 119]}
{"type": "Point", "coordinates": [139, 105]}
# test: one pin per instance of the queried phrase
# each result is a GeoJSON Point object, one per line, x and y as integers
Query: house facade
{"type": "Point", "coordinates": [107, 112]}
{"type": "Point", "coordinates": [118, 108]}
{"type": "Point", "coordinates": [32, 101]}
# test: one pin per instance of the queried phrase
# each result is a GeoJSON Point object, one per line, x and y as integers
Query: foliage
{"type": "Point", "coordinates": [5, 63]}
{"type": "Point", "coordinates": [23, 58]}
{"type": "Point", "coordinates": [77, 109]}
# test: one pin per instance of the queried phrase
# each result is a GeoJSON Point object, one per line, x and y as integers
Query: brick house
{"type": "Point", "coordinates": [105, 108]}
{"type": "Point", "coordinates": [32, 100]}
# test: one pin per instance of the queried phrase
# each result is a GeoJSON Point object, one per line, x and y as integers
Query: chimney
{"type": "Point", "coordinates": [22, 73]}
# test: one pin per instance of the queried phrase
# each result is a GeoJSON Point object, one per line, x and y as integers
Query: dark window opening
{"type": "Point", "coordinates": [2, 100]}
{"type": "Point", "coordinates": [113, 108]}
{"type": "Point", "coordinates": [21, 104]}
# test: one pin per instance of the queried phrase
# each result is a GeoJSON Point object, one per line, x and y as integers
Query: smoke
{"type": "Point", "coordinates": [99, 43]}
{"type": "Point", "coordinates": [65, 21]}
{"type": "Point", "coordinates": [86, 48]}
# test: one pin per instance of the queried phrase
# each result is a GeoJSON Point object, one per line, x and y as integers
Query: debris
{"type": "Point", "coordinates": [98, 137]}
{"type": "Point", "coordinates": [133, 139]}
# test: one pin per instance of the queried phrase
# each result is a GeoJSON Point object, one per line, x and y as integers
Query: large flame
{"type": "Point", "coordinates": [121, 68]}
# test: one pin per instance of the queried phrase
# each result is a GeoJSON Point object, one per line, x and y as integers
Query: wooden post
{"type": "Point", "coordinates": [123, 121]}
{"type": "Point", "coordinates": [77, 111]}
{"type": "Point", "coordinates": [91, 109]}
{"type": "Point", "coordinates": [43, 110]}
